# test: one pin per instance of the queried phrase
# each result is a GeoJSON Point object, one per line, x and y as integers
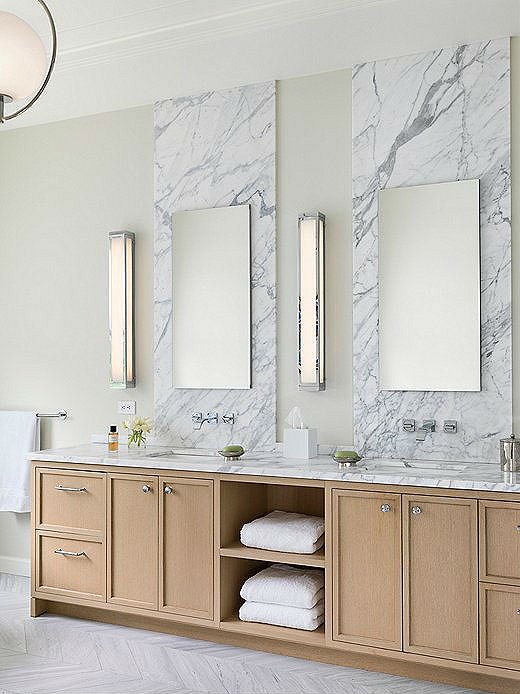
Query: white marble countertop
{"type": "Point", "coordinates": [447, 475]}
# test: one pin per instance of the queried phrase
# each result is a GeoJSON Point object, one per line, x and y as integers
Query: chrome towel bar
{"type": "Point", "coordinates": [62, 414]}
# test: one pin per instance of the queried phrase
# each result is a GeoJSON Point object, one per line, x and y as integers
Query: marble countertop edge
{"type": "Point", "coordinates": [446, 475]}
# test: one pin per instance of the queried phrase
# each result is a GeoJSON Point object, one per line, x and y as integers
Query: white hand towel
{"type": "Point", "coordinates": [283, 616]}
{"type": "Point", "coordinates": [285, 585]}
{"type": "Point", "coordinates": [19, 436]}
{"type": "Point", "coordinates": [284, 532]}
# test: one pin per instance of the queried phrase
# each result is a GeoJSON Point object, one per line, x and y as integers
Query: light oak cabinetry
{"type": "Point", "coordinates": [133, 549]}
{"type": "Point", "coordinates": [186, 547]}
{"type": "Point", "coordinates": [500, 542]}
{"type": "Point", "coordinates": [366, 551]}
{"type": "Point", "coordinates": [500, 584]}
{"type": "Point", "coordinates": [404, 566]}
{"type": "Point", "coordinates": [440, 577]}
{"type": "Point", "coordinates": [70, 566]}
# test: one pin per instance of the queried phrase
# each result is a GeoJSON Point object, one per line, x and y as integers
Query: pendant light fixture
{"type": "Point", "coordinates": [23, 62]}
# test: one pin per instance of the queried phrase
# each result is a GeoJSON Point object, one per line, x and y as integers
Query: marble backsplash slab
{"type": "Point", "coordinates": [434, 117]}
{"type": "Point", "coordinates": [213, 150]}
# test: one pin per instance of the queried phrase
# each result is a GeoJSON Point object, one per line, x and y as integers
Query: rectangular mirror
{"type": "Point", "coordinates": [429, 287]}
{"type": "Point", "coordinates": [212, 298]}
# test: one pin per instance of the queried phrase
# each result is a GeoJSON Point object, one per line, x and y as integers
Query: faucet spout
{"type": "Point", "coordinates": [428, 427]}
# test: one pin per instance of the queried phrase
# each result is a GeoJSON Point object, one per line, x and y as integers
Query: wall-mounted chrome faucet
{"type": "Point", "coordinates": [212, 418]}
{"type": "Point", "coordinates": [427, 427]}
{"type": "Point", "coordinates": [198, 419]}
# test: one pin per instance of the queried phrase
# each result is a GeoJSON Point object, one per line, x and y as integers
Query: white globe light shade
{"type": "Point", "coordinates": [23, 62]}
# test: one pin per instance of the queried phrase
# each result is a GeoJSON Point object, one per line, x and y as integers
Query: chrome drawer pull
{"type": "Point", "coordinates": [518, 528]}
{"type": "Point", "coordinates": [146, 488]}
{"type": "Point", "coordinates": [69, 554]}
{"type": "Point", "coordinates": [386, 508]}
{"type": "Point", "coordinates": [416, 510]}
{"type": "Point", "coordinates": [518, 611]}
{"type": "Point", "coordinates": [61, 488]}
{"type": "Point", "coordinates": [168, 490]}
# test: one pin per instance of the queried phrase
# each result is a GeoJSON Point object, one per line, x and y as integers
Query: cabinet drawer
{"type": "Point", "coordinates": [70, 566]}
{"type": "Point", "coordinates": [500, 626]}
{"type": "Point", "coordinates": [71, 501]}
{"type": "Point", "coordinates": [500, 542]}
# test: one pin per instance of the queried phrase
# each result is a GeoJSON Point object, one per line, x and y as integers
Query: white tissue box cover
{"type": "Point", "coordinates": [300, 443]}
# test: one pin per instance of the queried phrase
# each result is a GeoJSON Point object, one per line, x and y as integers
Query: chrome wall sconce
{"type": "Point", "coordinates": [121, 303]}
{"type": "Point", "coordinates": [23, 62]}
{"type": "Point", "coordinates": [311, 302]}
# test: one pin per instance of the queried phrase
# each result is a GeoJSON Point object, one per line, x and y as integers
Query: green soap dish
{"type": "Point", "coordinates": [232, 452]}
{"type": "Point", "coordinates": [346, 458]}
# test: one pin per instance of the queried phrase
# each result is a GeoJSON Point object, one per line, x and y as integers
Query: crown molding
{"type": "Point", "coordinates": [195, 31]}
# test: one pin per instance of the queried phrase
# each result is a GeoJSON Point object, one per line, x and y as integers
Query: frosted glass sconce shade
{"type": "Point", "coordinates": [121, 302]}
{"type": "Point", "coordinates": [23, 62]}
{"type": "Point", "coordinates": [311, 302]}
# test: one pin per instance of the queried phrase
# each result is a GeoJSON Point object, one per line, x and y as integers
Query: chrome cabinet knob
{"type": "Point", "coordinates": [518, 611]}
{"type": "Point", "coordinates": [168, 490]}
{"type": "Point", "coordinates": [416, 510]}
{"type": "Point", "coordinates": [146, 488]}
{"type": "Point", "coordinates": [386, 508]}
{"type": "Point", "coordinates": [518, 528]}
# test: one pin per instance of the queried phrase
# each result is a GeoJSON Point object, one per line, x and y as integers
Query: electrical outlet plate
{"type": "Point", "coordinates": [126, 407]}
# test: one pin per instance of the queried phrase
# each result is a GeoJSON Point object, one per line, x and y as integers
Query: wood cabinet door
{"type": "Point", "coordinates": [500, 542]}
{"type": "Point", "coordinates": [500, 625]}
{"type": "Point", "coordinates": [186, 537]}
{"type": "Point", "coordinates": [133, 513]}
{"type": "Point", "coordinates": [366, 532]}
{"type": "Point", "coordinates": [440, 577]}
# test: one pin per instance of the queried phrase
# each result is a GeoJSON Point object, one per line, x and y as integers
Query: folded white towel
{"type": "Point", "coordinates": [19, 436]}
{"type": "Point", "coordinates": [285, 585]}
{"type": "Point", "coordinates": [284, 532]}
{"type": "Point", "coordinates": [283, 616]}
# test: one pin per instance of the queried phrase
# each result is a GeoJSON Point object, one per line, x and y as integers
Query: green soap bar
{"type": "Point", "coordinates": [233, 449]}
{"type": "Point", "coordinates": [346, 454]}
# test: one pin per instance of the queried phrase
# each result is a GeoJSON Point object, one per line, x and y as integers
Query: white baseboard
{"type": "Point", "coordinates": [15, 565]}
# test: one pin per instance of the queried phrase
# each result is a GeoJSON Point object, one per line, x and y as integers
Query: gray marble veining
{"type": "Point", "coordinates": [213, 150]}
{"type": "Point", "coordinates": [428, 118]}
{"type": "Point", "coordinates": [447, 475]}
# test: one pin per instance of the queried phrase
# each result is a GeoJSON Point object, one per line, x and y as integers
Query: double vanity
{"type": "Point", "coordinates": [421, 560]}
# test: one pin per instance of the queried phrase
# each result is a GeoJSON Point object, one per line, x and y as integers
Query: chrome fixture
{"type": "Point", "coordinates": [229, 418]}
{"type": "Point", "coordinates": [409, 425]}
{"type": "Point", "coordinates": [168, 489]}
{"type": "Point", "coordinates": [510, 454]}
{"type": "Point", "coordinates": [62, 414]}
{"type": "Point", "coordinates": [61, 488]}
{"type": "Point", "coordinates": [23, 61]}
{"type": "Point", "coordinates": [311, 302]}
{"type": "Point", "coordinates": [121, 303]}
{"type": "Point", "coordinates": [198, 419]}
{"type": "Point", "coordinates": [450, 426]}
{"type": "Point", "coordinates": [69, 554]}
{"type": "Point", "coordinates": [416, 510]}
{"type": "Point", "coordinates": [146, 488]}
{"type": "Point", "coordinates": [427, 427]}
{"type": "Point", "coordinates": [386, 508]}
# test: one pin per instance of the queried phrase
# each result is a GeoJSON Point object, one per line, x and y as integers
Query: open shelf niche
{"type": "Point", "coordinates": [242, 502]}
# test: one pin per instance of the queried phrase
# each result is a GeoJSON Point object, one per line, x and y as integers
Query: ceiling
{"type": "Point", "coordinates": [120, 53]}
{"type": "Point", "coordinates": [103, 29]}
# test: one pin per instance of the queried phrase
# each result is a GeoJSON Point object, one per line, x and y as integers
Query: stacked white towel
{"type": "Point", "coordinates": [285, 532]}
{"type": "Point", "coordinates": [286, 596]}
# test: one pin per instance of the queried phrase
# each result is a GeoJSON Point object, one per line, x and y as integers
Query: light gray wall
{"type": "Point", "coordinates": [63, 187]}
{"type": "Point", "coordinates": [314, 173]}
